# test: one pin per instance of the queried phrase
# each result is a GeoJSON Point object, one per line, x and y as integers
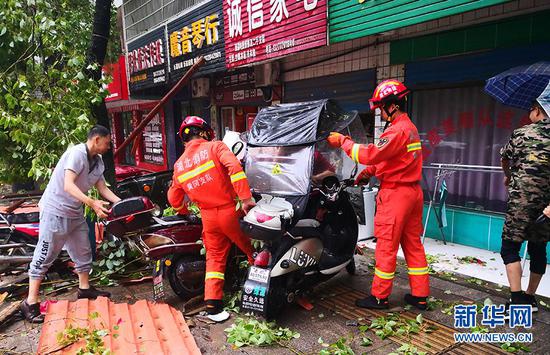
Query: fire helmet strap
{"type": "Point", "coordinates": [390, 115]}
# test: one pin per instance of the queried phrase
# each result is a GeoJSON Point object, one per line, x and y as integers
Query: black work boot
{"type": "Point", "coordinates": [521, 298]}
{"type": "Point", "coordinates": [418, 302]}
{"type": "Point", "coordinates": [373, 303]}
{"type": "Point", "coordinates": [92, 293]}
{"type": "Point", "coordinates": [533, 301]}
{"type": "Point", "coordinates": [31, 312]}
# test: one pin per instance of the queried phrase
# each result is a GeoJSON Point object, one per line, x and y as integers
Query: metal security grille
{"type": "Point", "coordinates": [142, 15]}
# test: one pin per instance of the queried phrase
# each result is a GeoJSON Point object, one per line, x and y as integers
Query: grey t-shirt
{"type": "Point", "coordinates": [60, 203]}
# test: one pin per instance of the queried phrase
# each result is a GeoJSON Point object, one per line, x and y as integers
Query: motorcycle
{"type": "Point", "coordinates": [18, 237]}
{"type": "Point", "coordinates": [172, 243]}
{"type": "Point", "coordinates": [153, 185]}
{"type": "Point", "coordinates": [309, 232]}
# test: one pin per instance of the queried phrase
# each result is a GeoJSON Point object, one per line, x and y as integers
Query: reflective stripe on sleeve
{"type": "Point", "coordinates": [355, 153]}
{"type": "Point", "coordinates": [238, 176]}
{"type": "Point", "coordinates": [414, 146]}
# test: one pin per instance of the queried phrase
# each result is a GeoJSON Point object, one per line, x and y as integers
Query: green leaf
{"type": "Point", "coordinates": [102, 332]}
{"type": "Point", "coordinates": [419, 318]}
{"type": "Point", "coordinates": [109, 264]}
{"type": "Point", "coordinates": [366, 341]}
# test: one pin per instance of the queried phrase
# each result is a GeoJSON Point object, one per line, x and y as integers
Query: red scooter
{"type": "Point", "coordinates": [18, 237]}
{"type": "Point", "coordinates": [172, 243]}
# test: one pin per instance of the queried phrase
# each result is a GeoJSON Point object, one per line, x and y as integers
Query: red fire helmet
{"type": "Point", "coordinates": [387, 90]}
{"type": "Point", "coordinates": [197, 122]}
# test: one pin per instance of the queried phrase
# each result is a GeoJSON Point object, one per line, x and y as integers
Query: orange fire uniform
{"type": "Point", "coordinates": [211, 176]}
{"type": "Point", "coordinates": [396, 160]}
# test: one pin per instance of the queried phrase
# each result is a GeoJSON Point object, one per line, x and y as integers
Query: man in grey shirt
{"type": "Point", "coordinates": [62, 221]}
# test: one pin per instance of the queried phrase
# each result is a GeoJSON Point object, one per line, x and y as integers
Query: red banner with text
{"type": "Point", "coordinates": [259, 30]}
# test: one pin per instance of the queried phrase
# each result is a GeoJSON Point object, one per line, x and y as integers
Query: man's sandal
{"type": "Point", "coordinates": [31, 312]}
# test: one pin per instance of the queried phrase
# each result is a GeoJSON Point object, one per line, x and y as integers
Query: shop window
{"type": "Point", "coordinates": [465, 126]}
{"type": "Point", "coordinates": [127, 128]}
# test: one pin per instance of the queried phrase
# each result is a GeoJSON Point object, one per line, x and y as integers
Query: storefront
{"type": "Point", "coordinates": [238, 99]}
{"type": "Point", "coordinates": [460, 124]}
{"type": "Point", "coordinates": [197, 32]}
{"type": "Point", "coordinates": [351, 90]}
{"type": "Point", "coordinates": [125, 114]}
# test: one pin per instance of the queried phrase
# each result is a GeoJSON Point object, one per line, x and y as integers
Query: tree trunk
{"type": "Point", "coordinates": [96, 54]}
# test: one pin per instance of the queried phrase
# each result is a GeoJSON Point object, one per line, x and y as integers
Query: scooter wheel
{"type": "Point", "coordinates": [186, 276]}
{"type": "Point", "coordinates": [350, 267]}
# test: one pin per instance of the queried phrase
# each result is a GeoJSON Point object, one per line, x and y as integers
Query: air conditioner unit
{"type": "Point", "coordinates": [266, 74]}
{"type": "Point", "coordinates": [200, 87]}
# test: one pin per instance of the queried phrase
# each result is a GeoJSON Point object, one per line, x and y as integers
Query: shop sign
{"type": "Point", "coordinates": [238, 96]}
{"type": "Point", "coordinates": [153, 152]}
{"type": "Point", "coordinates": [197, 33]}
{"type": "Point", "coordinates": [245, 77]}
{"type": "Point", "coordinates": [147, 61]}
{"type": "Point", "coordinates": [259, 30]}
{"type": "Point", "coordinates": [118, 87]}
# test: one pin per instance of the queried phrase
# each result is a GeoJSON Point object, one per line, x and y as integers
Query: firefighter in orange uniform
{"type": "Point", "coordinates": [211, 176]}
{"type": "Point", "coordinates": [396, 160]}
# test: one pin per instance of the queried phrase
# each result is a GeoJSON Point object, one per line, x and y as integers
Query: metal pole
{"type": "Point", "coordinates": [159, 105]}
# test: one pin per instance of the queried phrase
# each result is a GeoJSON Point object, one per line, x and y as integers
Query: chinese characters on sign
{"type": "Point", "coordinates": [152, 142]}
{"type": "Point", "coordinates": [255, 290]}
{"type": "Point", "coordinates": [206, 29]}
{"type": "Point", "coordinates": [146, 60]}
{"type": "Point", "coordinates": [467, 120]}
{"type": "Point", "coordinates": [520, 315]}
{"type": "Point", "coordinates": [197, 33]}
{"type": "Point", "coordinates": [258, 30]}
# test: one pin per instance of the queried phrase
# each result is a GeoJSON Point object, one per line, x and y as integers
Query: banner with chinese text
{"type": "Point", "coordinates": [258, 30]}
{"type": "Point", "coordinates": [147, 61]}
{"type": "Point", "coordinates": [197, 33]}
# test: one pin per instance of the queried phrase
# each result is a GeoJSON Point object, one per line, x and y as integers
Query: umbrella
{"type": "Point", "coordinates": [519, 86]}
{"type": "Point", "coordinates": [544, 100]}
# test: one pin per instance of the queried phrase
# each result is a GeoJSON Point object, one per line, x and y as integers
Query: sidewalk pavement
{"type": "Point", "coordinates": [320, 322]}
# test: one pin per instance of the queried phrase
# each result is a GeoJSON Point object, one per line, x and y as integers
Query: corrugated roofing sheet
{"type": "Point", "coordinates": [143, 327]}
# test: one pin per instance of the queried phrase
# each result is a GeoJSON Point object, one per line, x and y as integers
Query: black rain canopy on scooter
{"type": "Point", "coordinates": [282, 147]}
{"type": "Point", "coordinates": [297, 123]}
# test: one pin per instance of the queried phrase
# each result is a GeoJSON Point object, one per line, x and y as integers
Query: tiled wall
{"type": "Point", "coordinates": [476, 229]}
{"type": "Point", "coordinates": [373, 51]}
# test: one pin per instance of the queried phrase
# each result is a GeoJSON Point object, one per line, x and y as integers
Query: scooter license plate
{"type": "Point", "coordinates": [158, 284]}
{"type": "Point", "coordinates": [255, 290]}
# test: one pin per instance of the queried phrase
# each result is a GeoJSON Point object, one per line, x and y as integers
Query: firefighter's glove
{"type": "Point", "coordinates": [248, 204]}
{"type": "Point", "coordinates": [363, 178]}
{"type": "Point", "coordinates": [336, 140]}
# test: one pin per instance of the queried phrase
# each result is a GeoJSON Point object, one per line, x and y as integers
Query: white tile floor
{"type": "Point", "coordinates": [493, 271]}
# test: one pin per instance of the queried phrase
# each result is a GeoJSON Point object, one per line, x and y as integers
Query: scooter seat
{"type": "Point", "coordinates": [306, 228]}
{"type": "Point", "coordinates": [312, 223]}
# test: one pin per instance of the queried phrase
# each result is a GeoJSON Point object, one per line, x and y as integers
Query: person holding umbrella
{"type": "Point", "coordinates": [525, 160]}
